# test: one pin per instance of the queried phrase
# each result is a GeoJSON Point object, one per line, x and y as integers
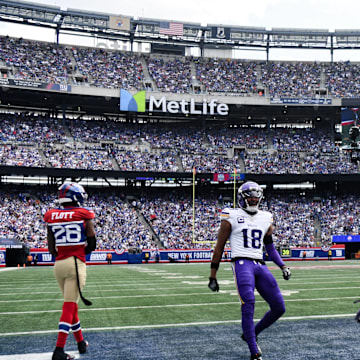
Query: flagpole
{"type": "Point", "coordinates": [234, 187]}
{"type": "Point", "coordinates": [193, 227]}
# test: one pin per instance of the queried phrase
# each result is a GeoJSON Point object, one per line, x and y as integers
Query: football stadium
{"type": "Point", "coordinates": [161, 141]}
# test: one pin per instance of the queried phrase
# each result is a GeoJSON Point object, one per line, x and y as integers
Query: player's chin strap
{"type": "Point", "coordinates": [85, 301]}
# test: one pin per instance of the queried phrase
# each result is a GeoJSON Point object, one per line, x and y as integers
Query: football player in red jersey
{"type": "Point", "coordinates": [70, 235]}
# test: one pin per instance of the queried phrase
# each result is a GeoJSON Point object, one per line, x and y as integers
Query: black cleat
{"type": "Point", "coordinates": [257, 356]}
{"type": "Point", "coordinates": [59, 354]}
{"type": "Point", "coordinates": [259, 353]}
{"type": "Point", "coordinates": [82, 346]}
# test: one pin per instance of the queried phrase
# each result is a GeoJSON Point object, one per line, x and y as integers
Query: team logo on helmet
{"type": "Point", "coordinates": [249, 196]}
{"type": "Point", "coordinates": [71, 192]}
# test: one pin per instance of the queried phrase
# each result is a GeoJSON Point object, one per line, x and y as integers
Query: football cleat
{"type": "Point", "coordinates": [259, 353]}
{"type": "Point", "coordinates": [59, 354]}
{"type": "Point", "coordinates": [82, 346]}
{"type": "Point", "coordinates": [257, 356]}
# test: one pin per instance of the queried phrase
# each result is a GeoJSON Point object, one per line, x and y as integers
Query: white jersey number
{"type": "Point", "coordinates": [67, 233]}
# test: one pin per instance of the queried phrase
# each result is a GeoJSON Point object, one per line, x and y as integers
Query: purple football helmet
{"type": "Point", "coordinates": [249, 196]}
{"type": "Point", "coordinates": [71, 192]}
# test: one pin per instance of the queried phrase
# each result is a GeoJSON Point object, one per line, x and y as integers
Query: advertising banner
{"type": "Point", "coordinates": [318, 253]}
{"type": "Point", "coordinates": [2, 257]}
{"type": "Point", "coordinates": [100, 257]}
{"type": "Point", "coordinates": [227, 177]}
{"type": "Point", "coordinates": [301, 101]}
{"type": "Point", "coordinates": [35, 84]}
{"type": "Point", "coordinates": [349, 118]}
{"type": "Point", "coordinates": [342, 239]}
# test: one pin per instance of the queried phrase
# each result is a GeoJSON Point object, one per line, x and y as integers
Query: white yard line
{"type": "Point", "coordinates": [230, 292]}
{"type": "Point", "coordinates": [166, 306]}
{"type": "Point", "coordinates": [8, 268]}
{"type": "Point", "coordinates": [35, 356]}
{"type": "Point", "coordinates": [135, 327]}
{"type": "Point", "coordinates": [201, 286]}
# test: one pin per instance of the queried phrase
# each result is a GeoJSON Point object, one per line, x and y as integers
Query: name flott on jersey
{"type": "Point", "coordinates": [247, 232]}
{"type": "Point", "coordinates": [68, 227]}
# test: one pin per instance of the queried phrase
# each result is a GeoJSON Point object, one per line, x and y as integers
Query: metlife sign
{"type": "Point", "coordinates": [188, 107]}
{"type": "Point", "coordinates": [137, 103]}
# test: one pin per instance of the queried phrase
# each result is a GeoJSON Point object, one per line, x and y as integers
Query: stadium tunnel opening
{"type": "Point", "coordinates": [15, 257]}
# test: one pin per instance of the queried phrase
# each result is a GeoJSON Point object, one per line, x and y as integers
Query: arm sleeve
{"type": "Point", "coordinates": [91, 244]}
{"type": "Point", "coordinates": [275, 257]}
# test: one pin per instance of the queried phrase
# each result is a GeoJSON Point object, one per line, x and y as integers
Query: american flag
{"type": "Point", "coordinates": [171, 28]}
{"type": "Point", "coordinates": [347, 122]}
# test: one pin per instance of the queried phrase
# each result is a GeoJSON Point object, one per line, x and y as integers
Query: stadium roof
{"type": "Point", "coordinates": [194, 34]}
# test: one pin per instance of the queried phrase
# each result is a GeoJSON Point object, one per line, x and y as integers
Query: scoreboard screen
{"type": "Point", "coordinates": [285, 252]}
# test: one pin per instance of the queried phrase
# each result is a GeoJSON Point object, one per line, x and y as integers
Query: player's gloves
{"type": "Point", "coordinates": [213, 284]}
{"type": "Point", "coordinates": [286, 273]}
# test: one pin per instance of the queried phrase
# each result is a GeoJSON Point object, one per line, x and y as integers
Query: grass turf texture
{"type": "Point", "coordinates": [166, 311]}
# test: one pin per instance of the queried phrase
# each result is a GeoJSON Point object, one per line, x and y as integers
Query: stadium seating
{"type": "Point", "coordinates": [51, 63]}
{"type": "Point", "coordinates": [43, 141]}
{"type": "Point", "coordinates": [152, 216]}
{"type": "Point", "coordinates": [40, 141]}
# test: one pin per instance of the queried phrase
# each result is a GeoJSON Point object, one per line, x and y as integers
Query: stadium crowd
{"type": "Point", "coordinates": [50, 63]}
{"type": "Point", "coordinates": [108, 69]}
{"type": "Point", "coordinates": [40, 140]}
{"type": "Point", "coordinates": [272, 163]}
{"type": "Point", "coordinates": [32, 60]}
{"type": "Point", "coordinates": [229, 76]}
{"type": "Point", "coordinates": [117, 222]}
{"type": "Point", "coordinates": [35, 140]}
{"type": "Point", "coordinates": [171, 76]}
{"type": "Point", "coordinates": [124, 222]}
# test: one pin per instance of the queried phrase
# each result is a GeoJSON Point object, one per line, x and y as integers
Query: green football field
{"type": "Point", "coordinates": [162, 298]}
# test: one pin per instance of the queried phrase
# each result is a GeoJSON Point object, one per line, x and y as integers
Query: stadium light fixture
{"type": "Point", "coordinates": [57, 18]}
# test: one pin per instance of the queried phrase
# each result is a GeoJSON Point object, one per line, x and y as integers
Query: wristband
{"type": "Point", "coordinates": [214, 265]}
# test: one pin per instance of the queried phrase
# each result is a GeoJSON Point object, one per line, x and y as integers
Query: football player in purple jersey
{"type": "Point", "coordinates": [248, 229]}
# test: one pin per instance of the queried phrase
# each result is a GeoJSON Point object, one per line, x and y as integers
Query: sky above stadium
{"type": "Point", "coordinates": [327, 14]}
{"type": "Point", "coordinates": [313, 14]}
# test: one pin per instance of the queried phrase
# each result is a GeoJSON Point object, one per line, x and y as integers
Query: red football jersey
{"type": "Point", "coordinates": [68, 227]}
